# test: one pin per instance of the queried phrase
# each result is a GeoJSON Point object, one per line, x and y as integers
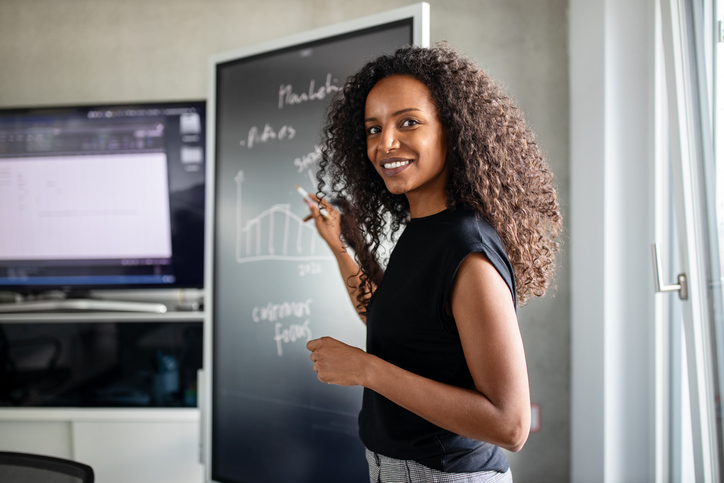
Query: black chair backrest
{"type": "Point", "coordinates": [27, 468]}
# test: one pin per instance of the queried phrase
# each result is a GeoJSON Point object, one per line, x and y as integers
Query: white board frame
{"type": "Point", "coordinates": [420, 15]}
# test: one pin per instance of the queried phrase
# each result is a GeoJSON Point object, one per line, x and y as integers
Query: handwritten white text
{"type": "Point", "coordinates": [294, 333]}
{"type": "Point", "coordinates": [289, 97]}
{"type": "Point", "coordinates": [308, 159]}
{"type": "Point", "coordinates": [267, 134]}
{"type": "Point", "coordinates": [273, 312]}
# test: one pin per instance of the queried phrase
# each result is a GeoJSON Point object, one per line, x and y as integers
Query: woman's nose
{"type": "Point", "coordinates": [389, 140]}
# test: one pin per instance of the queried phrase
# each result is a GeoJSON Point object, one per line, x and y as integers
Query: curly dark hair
{"type": "Point", "coordinates": [494, 167]}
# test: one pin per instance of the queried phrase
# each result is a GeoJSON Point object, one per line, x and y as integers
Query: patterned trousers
{"type": "Point", "coordinates": [390, 470]}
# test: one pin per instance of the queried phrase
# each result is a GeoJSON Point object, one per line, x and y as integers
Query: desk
{"type": "Point", "coordinates": [122, 445]}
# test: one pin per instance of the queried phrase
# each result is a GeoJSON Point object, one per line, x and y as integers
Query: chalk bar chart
{"type": "Point", "coordinates": [277, 233]}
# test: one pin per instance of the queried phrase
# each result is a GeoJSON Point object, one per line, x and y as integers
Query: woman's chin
{"type": "Point", "coordinates": [396, 188]}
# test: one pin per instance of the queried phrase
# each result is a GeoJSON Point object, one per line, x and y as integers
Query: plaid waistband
{"type": "Point", "coordinates": [384, 469]}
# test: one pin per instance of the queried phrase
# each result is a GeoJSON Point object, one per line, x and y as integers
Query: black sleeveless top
{"type": "Point", "coordinates": [407, 326]}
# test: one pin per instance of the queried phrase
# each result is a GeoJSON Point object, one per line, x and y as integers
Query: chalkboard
{"type": "Point", "coordinates": [273, 283]}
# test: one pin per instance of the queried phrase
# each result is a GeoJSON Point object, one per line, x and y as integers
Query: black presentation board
{"type": "Point", "coordinates": [275, 282]}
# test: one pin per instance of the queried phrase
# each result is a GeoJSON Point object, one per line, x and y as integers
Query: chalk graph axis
{"type": "Point", "coordinates": [275, 234]}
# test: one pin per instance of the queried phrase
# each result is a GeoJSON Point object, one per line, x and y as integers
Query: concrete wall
{"type": "Point", "coordinates": [103, 51]}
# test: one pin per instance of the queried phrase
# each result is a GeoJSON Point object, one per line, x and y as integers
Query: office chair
{"type": "Point", "coordinates": [33, 468]}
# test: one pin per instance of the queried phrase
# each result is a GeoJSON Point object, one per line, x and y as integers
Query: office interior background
{"type": "Point", "coordinates": [579, 69]}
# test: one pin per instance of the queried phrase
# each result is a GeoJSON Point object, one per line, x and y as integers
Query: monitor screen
{"type": "Point", "coordinates": [102, 196]}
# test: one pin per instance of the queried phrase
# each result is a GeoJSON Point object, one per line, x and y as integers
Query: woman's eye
{"type": "Point", "coordinates": [373, 130]}
{"type": "Point", "coordinates": [409, 122]}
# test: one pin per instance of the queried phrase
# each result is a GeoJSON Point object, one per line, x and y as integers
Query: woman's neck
{"type": "Point", "coordinates": [426, 205]}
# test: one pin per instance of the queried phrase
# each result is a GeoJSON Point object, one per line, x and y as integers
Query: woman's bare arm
{"type": "Point", "coordinates": [329, 229]}
{"type": "Point", "coordinates": [497, 412]}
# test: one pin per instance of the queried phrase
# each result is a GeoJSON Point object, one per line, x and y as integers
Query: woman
{"type": "Point", "coordinates": [424, 140]}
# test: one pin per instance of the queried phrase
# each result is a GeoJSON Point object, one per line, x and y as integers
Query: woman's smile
{"type": "Point", "coordinates": [393, 166]}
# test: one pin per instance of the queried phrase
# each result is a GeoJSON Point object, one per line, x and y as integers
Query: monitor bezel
{"type": "Point", "coordinates": [196, 281]}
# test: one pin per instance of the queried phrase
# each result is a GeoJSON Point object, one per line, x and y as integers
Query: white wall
{"type": "Point", "coordinates": [102, 51]}
{"type": "Point", "coordinates": [612, 137]}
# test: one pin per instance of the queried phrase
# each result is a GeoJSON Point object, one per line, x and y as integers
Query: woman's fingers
{"type": "Point", "coordinates": [326, 221]}
{"type": "Point", "coordinates": [320, 207]}
{"type": "Point", "coordinates": [313, 345]}
{"type": "Point", "coordinates": [322, 202]}
{"type": "Point", "coordinates": [336, 362]}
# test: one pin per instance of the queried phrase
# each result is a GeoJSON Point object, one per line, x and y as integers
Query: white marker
{"type": "Point", "coordinates": [305, 195]}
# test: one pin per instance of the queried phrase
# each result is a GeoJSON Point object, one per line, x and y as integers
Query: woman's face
{"type": "Point", "coordinates": [405, 139]}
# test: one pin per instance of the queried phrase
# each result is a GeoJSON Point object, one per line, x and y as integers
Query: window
{"type": "Point", "coordinates": [690, 220]}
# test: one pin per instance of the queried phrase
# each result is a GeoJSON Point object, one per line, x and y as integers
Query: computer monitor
{"type": "Point", "coordinates": [102, 197]}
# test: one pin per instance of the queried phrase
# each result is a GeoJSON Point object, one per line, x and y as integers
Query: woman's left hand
{"type": "Point", "coordinates": [336, 362]}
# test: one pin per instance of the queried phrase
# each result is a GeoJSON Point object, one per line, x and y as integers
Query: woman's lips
{"type": "Point", "coordinates": [392, 167]}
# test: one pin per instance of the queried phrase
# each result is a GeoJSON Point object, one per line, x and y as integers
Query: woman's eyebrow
{"type": "Point", "coordinates": [396, 113]}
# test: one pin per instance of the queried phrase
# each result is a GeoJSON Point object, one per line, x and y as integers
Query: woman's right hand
{"type": "Point", "coordinates": [329, 229]}
{"type": "Point", "coordinates": [327, 225]}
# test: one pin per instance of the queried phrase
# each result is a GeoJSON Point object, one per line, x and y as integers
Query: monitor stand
{"type": "Point", "coordinates": [63, 302]}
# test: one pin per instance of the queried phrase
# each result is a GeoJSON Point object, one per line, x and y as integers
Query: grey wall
{"type": "Point", "coordinates": [101, 51]}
